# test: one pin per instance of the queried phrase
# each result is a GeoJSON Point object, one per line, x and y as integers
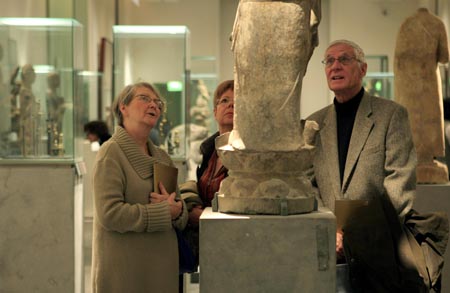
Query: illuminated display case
{"type": "Point", "coordinates": [41, 139]}
{"type": "Point", "coordinates": [40, 96]}
{"type": "Point", "coordinates": [378, 80]}
{"type": "Point", "coordinates": [201, 110]}
{"type": "Point", "coordinates": [380, 84]}
{"type": "Point", "coordinates": [159, 55]}
{"type": "Point", "coordinates": [203, 84]}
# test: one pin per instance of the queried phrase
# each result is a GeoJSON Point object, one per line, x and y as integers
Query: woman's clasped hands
{"type": "Point", "coordinates": [176, 206]}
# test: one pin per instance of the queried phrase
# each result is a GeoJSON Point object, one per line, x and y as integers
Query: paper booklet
{"type": "Point", "coordinates": [167, 175]}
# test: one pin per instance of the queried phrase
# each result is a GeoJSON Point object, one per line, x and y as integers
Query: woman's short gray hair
{"type": "Point", "coordinates": [359, 53]}
{"type": "Point", "coordinates": [126, 96]}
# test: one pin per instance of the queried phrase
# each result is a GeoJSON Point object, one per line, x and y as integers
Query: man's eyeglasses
{"type": "Point", "coordinates": [148, 100]}
{"type": "Point", "coordinates": [344, 60]}
{"type": "Point", "coordinates": [224, 101]}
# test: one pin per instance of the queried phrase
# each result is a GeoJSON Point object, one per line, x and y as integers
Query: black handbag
{"type": "Point", "coordinates": [187, 263]}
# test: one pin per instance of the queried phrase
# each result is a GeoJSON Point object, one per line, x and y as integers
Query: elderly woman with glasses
{"type": "Point", "coordinates": [134, 241]}
{"type": "Point", "coordinates": [211, 172]}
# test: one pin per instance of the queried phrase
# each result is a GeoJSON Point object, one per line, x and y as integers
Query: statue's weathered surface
{"type": "Point", "coordinates": [421, 44]}
{"type": "Point", "coordinates": [266, 152]}
{"type": "Point", "coordinates": [272, 43]}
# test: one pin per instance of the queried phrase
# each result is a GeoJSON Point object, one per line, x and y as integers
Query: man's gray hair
{"type": "Point", "coordinates": [359, 53]}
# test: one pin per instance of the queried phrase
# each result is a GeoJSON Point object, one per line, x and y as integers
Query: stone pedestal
{"type": "Point", "coordinates": [269, 182]}
{"type": "Point", "coordinates": [41, 227]}
{"type": "Point", "coordinates": [435, 198]}
{"type": "Point", "coordinates": [260, 253]}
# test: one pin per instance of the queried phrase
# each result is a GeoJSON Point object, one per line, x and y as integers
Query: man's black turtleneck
{"type": "Point", "coordinates": [345, 118]}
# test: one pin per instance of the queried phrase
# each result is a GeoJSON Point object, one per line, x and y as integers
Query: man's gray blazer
{"type": "Point", "coordinates": [381, 157]}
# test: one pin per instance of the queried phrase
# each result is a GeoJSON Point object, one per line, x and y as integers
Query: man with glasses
{"type": "Point", "coordinates": [364, 152]}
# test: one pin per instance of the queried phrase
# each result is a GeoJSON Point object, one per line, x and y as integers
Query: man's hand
{"type": "Point", "coordinates": [340, 256]}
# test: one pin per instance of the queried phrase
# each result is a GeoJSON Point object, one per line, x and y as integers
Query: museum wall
{"type": "Point", "coordinates": [444, 12]}
{"type": "Point", "coordinates": [100, 21]}
{"type": "Point", "coordinates": [23, 8]}
{"type": "Point", "coordinates": [63, 9]}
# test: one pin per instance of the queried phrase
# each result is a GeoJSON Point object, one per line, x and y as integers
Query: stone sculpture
{"type": "Point", "coordinates": [29, 112]}
{"type": "Point", "coordinates": [14, 102]}
{"type": "Point", "coordinates": [200, 112]}
{"type": "Point", "coordinates": [55, 114]}
{"type": "Point", "coordinates": [55, 103]}
{"type": "Point", "coordinates": [5, 105]}
{"type": "Point", "coordinates": [266, 152]}
{"type": "Point", "coordinates": [200, 115]}
{"type": "Point", "coordinates": [421, 44]}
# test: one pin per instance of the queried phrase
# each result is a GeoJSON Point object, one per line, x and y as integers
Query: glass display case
{"type": "Point", "coordinates": [377, 63]}
{"type": "Point", "coordinates": [159, 55]}
{"type": "Point", "coordinates": [378, 80]}
{"type": "Point", "coordinates": [380, 84]}
{"type": "Point", "coordinates": [40, 95]}
{"type": "Point", "coordinates": [201, 110]}
{"type": "Point", "coordinates": [89, 92]}
{"type": "Point", "coordinates": [203, 84]}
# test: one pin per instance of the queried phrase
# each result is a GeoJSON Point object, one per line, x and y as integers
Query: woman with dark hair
{"type": "Point", "coordinates": [97, 131]}
{"type": "Point", "coordinates": [211, 172]}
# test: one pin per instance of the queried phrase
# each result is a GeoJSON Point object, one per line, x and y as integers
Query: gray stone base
{"type": "Point", "coordinates": [260, 253]}
{"type": "Point", "coordinates": [268, 206]}
{"type": "Point", "coordinates": [41, 228]}
{"type": "Point", "coordinates": [266, 182]}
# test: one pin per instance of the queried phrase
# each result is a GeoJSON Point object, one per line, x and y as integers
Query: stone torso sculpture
{"type": "Point", "coordinates": [265, 153]}
{"type": "Point", "coordinates": [272, 43]}
{"type": "Point", "coordinates": [421, 44]}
